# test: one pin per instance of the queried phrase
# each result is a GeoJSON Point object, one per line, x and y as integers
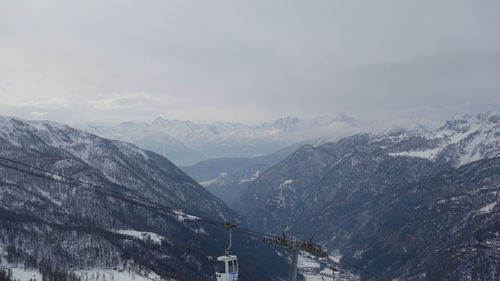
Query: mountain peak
{"type": "Point", "coordinates": [287, 123]}
{"type": "Point", "coordinates": [225, 139]}
{"type": "Point", "coordinates": [490, 116]}
{"type": "Point", "coordinates": [468, 122]}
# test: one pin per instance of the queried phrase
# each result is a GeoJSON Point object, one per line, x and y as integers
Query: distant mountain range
{"type": "Point", "coordinates": [186, 143]}
{"type": "Point", "coordinates": [56, 229]}
{"type": "Point", "coordinates": [399, 204]}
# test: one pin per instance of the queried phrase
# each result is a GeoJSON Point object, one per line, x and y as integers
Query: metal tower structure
{"type": "Point", "coordinates": [294, 246]}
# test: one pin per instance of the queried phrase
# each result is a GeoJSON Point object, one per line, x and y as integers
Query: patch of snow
{"type": "Point", "coordinates": [358, 254]}
{"type": "Point", "coordinates": [280, 200]}
{"type": "Point", "coordinates": [21, 274]}
{"type": "Point", "coordinates": [181, 216]}
{"type": "Point", "coordinates": [310, 269]}
{"type": "Point", "coordinates": [430, 154]}
{"type": "Point", "coordinates": [47, 196]}
{"type": "Point", "coordinates": [121, 275]}
{"type": "Point", "coordinates": [200, 230]}
{"type": "Point", "coordinates": [390, 136]}
{"type": "Point", "coordinates": [306, 262]}
{"type": "Point", "coordinates": [209, 182]}
{"type": "Point", "coordinates": [246, 180]}
{"type": "Point", "coordinates": [485, 139]}
{"type": "Point", "coordinates": [254, 177]}
{"type": "Point", "coordinates": [142, 235]}
{"type": "Point", "coordinates": [487, 209]}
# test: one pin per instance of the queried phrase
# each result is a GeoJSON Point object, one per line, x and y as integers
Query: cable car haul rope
{"type": "Point", "coordinates": [227, 265]}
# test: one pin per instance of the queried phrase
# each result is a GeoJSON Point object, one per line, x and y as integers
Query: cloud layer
{"type": "Point", "coordinates": [247, 61]}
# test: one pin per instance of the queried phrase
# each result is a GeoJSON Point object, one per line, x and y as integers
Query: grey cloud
{"type": "Point", "coordinates": [38, 113]}
{"type": "Point", "coordinates": [248, 61]}
{"type": "Point", "coordinates": [55, 103]}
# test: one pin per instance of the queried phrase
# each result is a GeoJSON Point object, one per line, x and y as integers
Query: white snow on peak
{"type": "Point", "coordinates": [312, 270]}
{"type": "Point", "coordinates": [209, 182]}
{"type": "Point", "coordinates": [225, 139]}
{"type": "Point", "coordinates": [470, 139]}
{"type": "Point", "coordinates": [307, 262]}
{"type": "Point", "coordinates": [181, 216]}
{"type": "Point", "coordinates": [279, 199]}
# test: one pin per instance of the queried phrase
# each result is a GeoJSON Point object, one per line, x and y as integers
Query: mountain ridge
{"type": "Point", "coordinates": [361, 195]}
{"type": "Point", "coordinates": [186, 142]}
{"type": "Point", "coordinates": [56, 212]}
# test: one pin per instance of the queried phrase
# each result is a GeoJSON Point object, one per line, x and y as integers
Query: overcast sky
{"type": "Point", "coordinates": [109, 61]}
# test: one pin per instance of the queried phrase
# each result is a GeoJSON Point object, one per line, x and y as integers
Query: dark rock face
{"type": "Point", "coordinates": [400, 204]}
{"type": "Point", "coordinates": [45, 223]}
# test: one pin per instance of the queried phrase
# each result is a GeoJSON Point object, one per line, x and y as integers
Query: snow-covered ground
{"type": "Point", "coordinates": [312, 270]}
{"type": "Point", "coordinates": [109, 274]}
{"type": "Point", "coordinates": [21, 274]}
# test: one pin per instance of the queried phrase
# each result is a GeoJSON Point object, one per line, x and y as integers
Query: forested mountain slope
{"type": "Point", "coordinates": [49, 225]}
{"type": "Point", "coordinates": [400, 204]}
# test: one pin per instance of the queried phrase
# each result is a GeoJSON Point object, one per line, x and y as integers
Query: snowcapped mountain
{"type": "Point", "coordinates": [186, 142]}
{"type": "Point", "coordinates": [459, 141]}
{"type": "Point", "coordinates": [54, 228]}
{"type": "Point", "coordinates": [148, 137]}
{"type": "Point", "coordinates": [408, 204]}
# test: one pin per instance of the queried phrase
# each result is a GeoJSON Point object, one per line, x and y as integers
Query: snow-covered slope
{"type": "Point", "coordinates": [401, 203]}
{"type": "Point", "coordinates": [54, 227]}
{"type": "Point", "coordinates": [151, 138]}
{"type": "Point", "coordinates": [186, 142]}
{"type": "Point", "coordinates": [459, 141]}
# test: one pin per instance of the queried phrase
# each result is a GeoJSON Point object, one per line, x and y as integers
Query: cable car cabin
{"type": "Point", "coordinates": [227, 268]}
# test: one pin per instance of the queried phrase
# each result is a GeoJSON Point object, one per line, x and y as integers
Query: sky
{"type": "Point", "coordinates": [248, 61]}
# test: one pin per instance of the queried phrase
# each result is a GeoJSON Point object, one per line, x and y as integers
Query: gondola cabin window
{"type": "Point", "coordinates": [221, 267]}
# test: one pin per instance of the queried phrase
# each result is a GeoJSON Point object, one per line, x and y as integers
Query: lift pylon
{"type": "Point", "coordinates": [294, 246]}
